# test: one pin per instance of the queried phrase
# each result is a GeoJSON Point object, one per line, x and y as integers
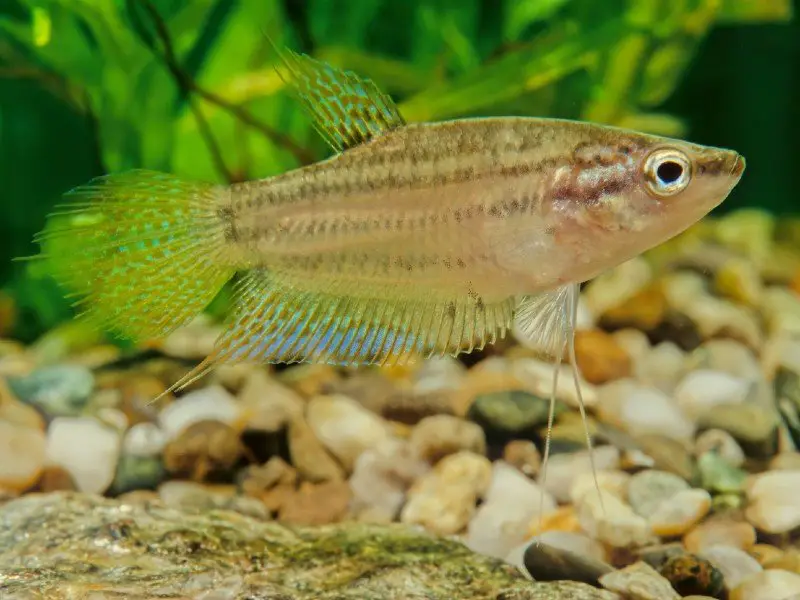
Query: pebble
{"type": "Point", "coordinates": [86, 449]}
{"type": "Point", "coordinates": [213, 403]}
{"type": "Point", "coordinates": [443, 500]}
{"type": "Point", "coordinates": [144, 440]}
{"type": "Point", "coordinates": [720, 443]}
{"type": "Point", "coordinates": [735, 564]}
{"type": "Point", "coordinates": [612, 521]}
{"type": "Point", "coordinates": [345, 427]}
{"type": "Point", "coordinates": [755, 428]}
{"type": "Point", "coordinates": [675, 516]}
{"type": "Point", "coordinates": [647, 490]}
{"type": "Point", "coordinates": [661, 367]}
{"type": "Point", "coordinates": [54, 479]}
{"type": "Point", "coordinates": [512, 501]}
{"type": "Point", "coordinates": [381, 477]}
{"type": "Point", "coordinates": [599, 357]}
{"type": "Point", "coordinates": [194, 341]}
{"type": "Point", "coordinates": [308, 455]}
{"type": "Point", "coordinates": [549, 563]}
{"type": "Point", "coordinates": [692, 574]}
{"type": "Point", "coordinates": [578, 543]}
{"type": "Point", "coordinates": [644, 410]}
{"type": "Point", "coordinates": [786, 461]}
{"type": "Point", "coordinates": [668, 455]}
{"type": "Point", "coordinates": [22, 456]}
{"type": "Point", "coordinates": [58, 391]}
{"type": "Point", "coordinates": [704, 390]}
{"type": "Point", "coordinates": [137, 392]}
{"type": "Point", "coordinates": [639, 581]}
{"type": "Point", "coordinates": [617, 285]}
{"type": "Point", "coordinates": [718, 475]}
{"type": "Point", "coordinates": [16, 412]}
{"type": "Point", "coordinates": [781, 309]}
{"type": "Point", "coordinates": [317, 504]}
{"type": "Point", "coordinates": [202, 448]}
{"type": "Point", "coordinates": [739, 280]}
{"type": "Point", "coordinates": [772, 501]}
{"type": "Point", "coordinates": [267, 404]}
{"type": "Point", "coordinates": [562, 470]}
{"type": "Point", "coordinates": [537, 377]}
{"type": "Point", "coordinates": [137, 473]}
{"type": "Point", "coordinates": [720, 532]}
{"type": "Point", "coordinates": [771, 584]}
{"type": "Point", "coordinates": [508, 414]}
{"type": "Point", "coordinates": [192, 496]}
{"type": "Point", "coordinates": [644, 310]}
{"type": "Point", "coordinates": [436, 436]}
{"type": "Point", "coordinates": [524, 455]}
{"type": "Point", "coordinates": [615, 482]}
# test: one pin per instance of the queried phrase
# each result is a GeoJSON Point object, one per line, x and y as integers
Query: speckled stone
{"type": "Point", "coordinates": [83, 544]}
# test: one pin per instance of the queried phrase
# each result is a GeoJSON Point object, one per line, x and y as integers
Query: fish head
{"type": "Point", "coordinates": [629, 192]}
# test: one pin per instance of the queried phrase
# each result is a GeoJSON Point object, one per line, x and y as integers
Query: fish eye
{"type": "Point", "coordinates": [667, 172]}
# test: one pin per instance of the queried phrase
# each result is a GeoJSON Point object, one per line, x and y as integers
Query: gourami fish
{"type": "Point", "coordinates": [413, 240]}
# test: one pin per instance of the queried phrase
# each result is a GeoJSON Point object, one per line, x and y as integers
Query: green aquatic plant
{"type": "Point", "coordinates": [190, 88]}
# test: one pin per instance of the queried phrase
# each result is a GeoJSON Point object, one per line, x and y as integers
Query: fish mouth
{"type": "Point", "coordinates": [739, 164]}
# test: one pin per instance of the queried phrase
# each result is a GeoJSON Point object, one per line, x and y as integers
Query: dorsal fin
{"type": "Point", "coordinates": [347, 110]}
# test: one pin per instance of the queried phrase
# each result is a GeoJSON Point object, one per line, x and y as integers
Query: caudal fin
{"type": "Point", "coordinates": [141, 252]}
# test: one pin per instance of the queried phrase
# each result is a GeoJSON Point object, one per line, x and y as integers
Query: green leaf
{"type": "Point", "coordinates": [521, 15]}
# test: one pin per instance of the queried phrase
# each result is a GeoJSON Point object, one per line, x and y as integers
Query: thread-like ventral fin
{"type": "Point", "coordinates": [347, 110]}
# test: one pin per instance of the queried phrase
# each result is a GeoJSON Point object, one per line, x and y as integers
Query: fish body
{"type": "Point", "coordinates": [412, 240]}
{"type": "Point", "coordinates": [492, 207]}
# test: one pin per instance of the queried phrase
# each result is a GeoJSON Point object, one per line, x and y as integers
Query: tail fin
{"type": "Point", "coordinates": [141, 252]}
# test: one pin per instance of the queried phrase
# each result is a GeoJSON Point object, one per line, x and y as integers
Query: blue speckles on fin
{"type": "Point", "coordinates": [347, 109]}
{"type": "Point", "coordinates": [280, 322]}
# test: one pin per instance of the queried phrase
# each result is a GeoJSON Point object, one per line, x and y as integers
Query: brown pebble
{"type": "Point", "coordinates": [203, 447]}
{"type": "Point", "coordinates": [254, 480]}
{"type": "Point", "coordinates": [690, 574]}
{"type": "Point", "coordinates": [600, 358]}
{"type": "Point", "coordinates": [724, 531]}
{"type": "Point", "coordinates": [309, 456]}
{"type": "Point", "coordinates": [317, 504]}
{"type": "Point", "coordinates": [139, 497]}
{"type": "Point", "coordinates": [138, 392]}
{"type": "Point", "coordinates": [56, 479]}
{"type": "Point", "coordinates": [645, 310]}
{"type": "Point", "coordinates": [524, 455]}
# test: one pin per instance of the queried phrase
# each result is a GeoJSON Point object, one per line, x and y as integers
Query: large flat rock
{"type": "Point", "coordinates": [71, 546]}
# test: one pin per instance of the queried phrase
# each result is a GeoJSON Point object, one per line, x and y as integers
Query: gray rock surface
{"type": "Point", "coordinates": [69, 545]}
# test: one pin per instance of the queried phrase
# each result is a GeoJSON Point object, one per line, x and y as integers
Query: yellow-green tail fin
{"type": "Point", "coordinates": [141, 252]}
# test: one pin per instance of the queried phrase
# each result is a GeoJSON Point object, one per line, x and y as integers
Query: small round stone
{"type": "Point", "coordinates": [599, 357]}
{"type": "Point", "coordinates": [22, 456]}
{"type": "Point", "coordinates": [85, 448]}
{"type": "Point", "coordinates": [720, 532]}
{"type": "Point", "coordinates": [509, 413]}
{"type": "Point", "coordinates": [58, 391]}
{"type": "Point", "coordinates": [203, 447]}
{"type": "Point", "coordinates": [144, 440]}
{"type": "Point", "coordinates": [443, 501]}
{"type": "Point", "coordinates": [771, 584]}
{"type": "Point", "coordinates": [735, 565]}
{"type": "Point", "coordinates": [703, 390]}
{"type": "Point", "coordinates": [345, 427]}
{"type": "Point", "coordinates": [680, 513]}
{"type": "Point", "coordinates": [691, 574]}
{"type": "Point", "coordinates": [524, 455]}
{"type": "Point", "coordinates": [612, 521]}
{"type": "Point", "coordinates": [772, 501]}
{"type": "Point", "coordinates": [722, 443]}
{"type": "Point", "coordinates": [647, 490]}
{"type": "Point", "coordinates": [213, 403]}
{"type": "Point", "coordinates": [436, 436]}
{"type": "Point", "coordinates": [548, 563]}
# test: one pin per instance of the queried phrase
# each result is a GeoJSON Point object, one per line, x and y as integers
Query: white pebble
{"type": "Point", "coordinates": [661, 367]}
{"type": "Point", "coordinates": [680, 513]}
{"type": "Point", "coordinates": [86, 449]}
{"type": "Point", "coordinates": [703, 390]}
{"type": "Point", "coordinates": [562, 470]}
{"type": "Point", "coordinates": [345, 427]}
{"type": "Point", "coordinates": [735, 564]}
{"type": "Point", "coordinates": [213, 403]}
{"type": "Point", "coordinates": [144, 439]}
{"type": "Point", "coordinates": [647, 410]}
{"type": "Point", "coordinates": [443, 501]}
{"type": "Point", "coordinates": [771, 584]}
{"type": "Point", "coordinates": [511, 503]}
{"type": "Point", "coordinates": [772, 501]}
{"type": "Point", "coordinates": [612, 521]}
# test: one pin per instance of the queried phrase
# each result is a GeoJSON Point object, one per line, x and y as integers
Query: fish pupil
{"type": "Point", "coordinates": [669, 171]}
